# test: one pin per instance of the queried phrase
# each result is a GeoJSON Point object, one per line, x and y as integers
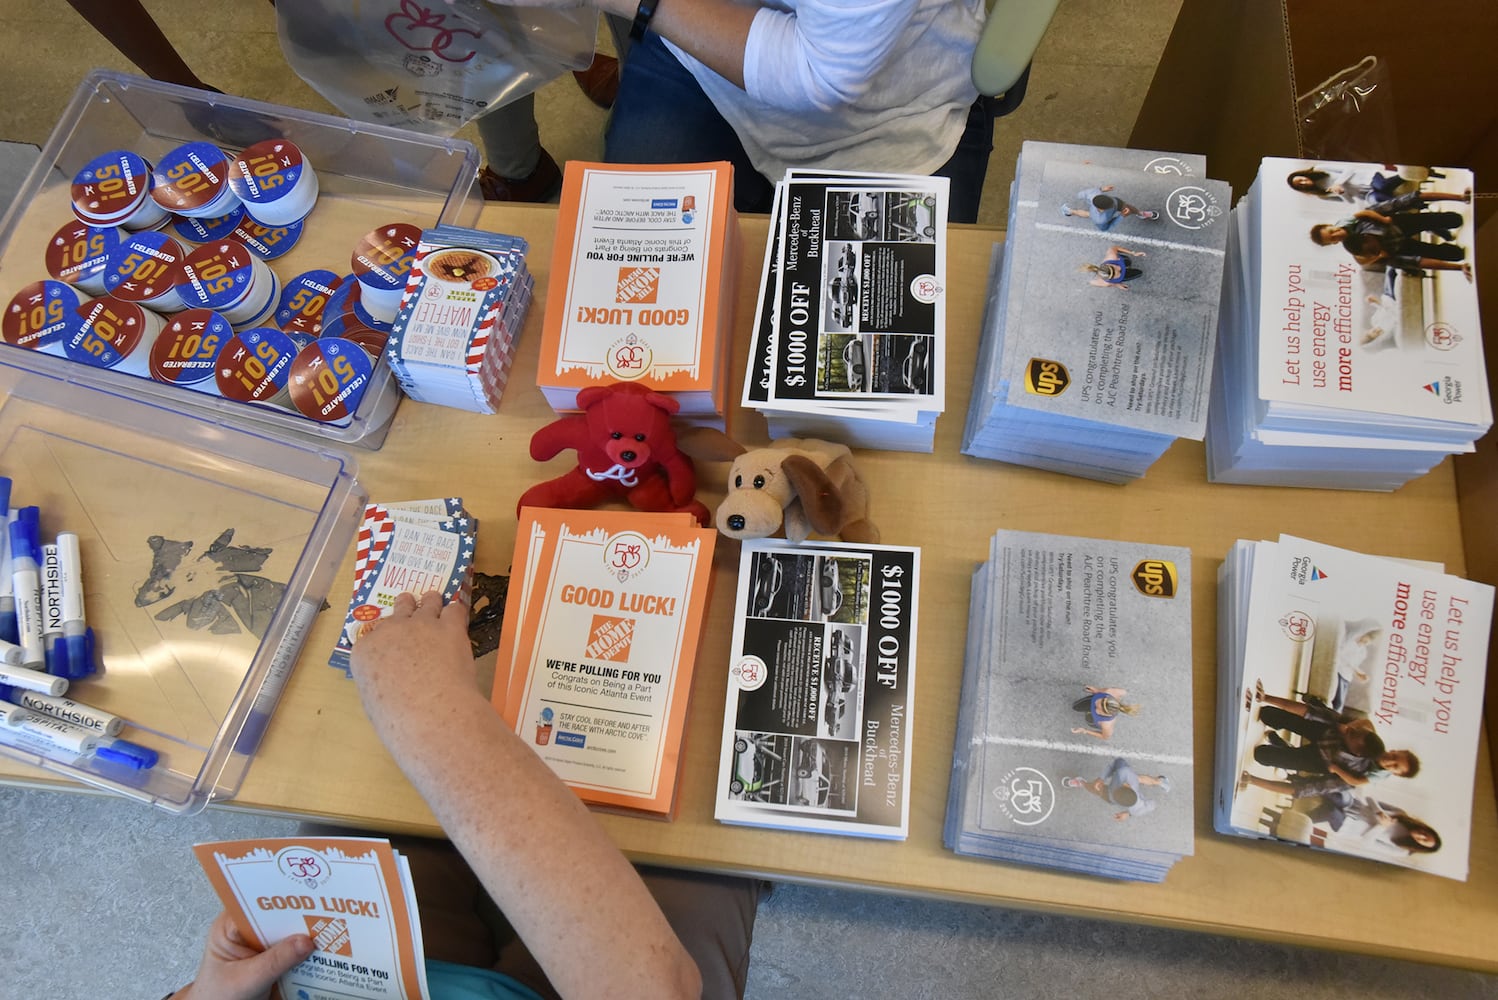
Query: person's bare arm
{"type": "Point", "coordinates": [569, 893]}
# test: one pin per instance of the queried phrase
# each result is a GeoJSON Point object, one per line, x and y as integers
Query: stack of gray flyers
{"type": "Point", "coordinates": [1351, 345]}
{"type": "Point", "coordinates": [1073, 746]}
{"type": "Point", "coordinates": [1096, 352]}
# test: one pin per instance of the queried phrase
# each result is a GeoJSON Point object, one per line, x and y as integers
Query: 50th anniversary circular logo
{"type": "Point", "coordinates": [1026, 796]}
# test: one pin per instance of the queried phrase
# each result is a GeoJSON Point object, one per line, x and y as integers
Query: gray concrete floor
{"type": "Point", "coordinates": [104, 898]}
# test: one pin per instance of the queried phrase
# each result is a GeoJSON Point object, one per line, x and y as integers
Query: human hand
{"type": "Point", "coordinates": [232, 969]}
{"type": "Point", "coordinates": [421, 646]}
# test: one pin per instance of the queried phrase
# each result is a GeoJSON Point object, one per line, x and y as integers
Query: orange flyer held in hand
{"type": "Point", "coordinates": [599, 644]}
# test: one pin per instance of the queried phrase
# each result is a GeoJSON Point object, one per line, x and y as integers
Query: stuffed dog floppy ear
{"type": "Point", "coordinates": [802, 484]}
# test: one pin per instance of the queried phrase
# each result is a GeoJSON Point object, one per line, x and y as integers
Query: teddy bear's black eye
{"type": "Point", "coordinates": [759, 482]}
{"type": "Point", "coordinates": [738, 482]}
{"type": "Point", "coordinates": [616, 435]}
{"type": "Point", "coordinates": [639, 437]}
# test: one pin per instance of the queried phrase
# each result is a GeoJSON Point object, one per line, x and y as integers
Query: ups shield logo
{"type": "Point", "coordinates": [1046, 378]}
{"type": "Point", "coordinates": [1155, 578]}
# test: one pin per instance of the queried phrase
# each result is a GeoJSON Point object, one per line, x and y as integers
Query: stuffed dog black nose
{"type": "Point", "coordinates": [628, 456]}
{"type": "Point", "coordinates": [735, 522]}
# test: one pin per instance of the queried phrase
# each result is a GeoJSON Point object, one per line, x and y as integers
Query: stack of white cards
{"type": "Point", "coordinates": [819, 718]}
{"type": "Point", "coordinates": [850, 328]}
{"type": "Point", "coordinates": [1357, 362]}
{"type": "Point", "coordinates": [406, 548]}
{"type": "Point", "coordinates": [1073, 745]}
{"type": "Point", "coordinates": [465, 301]}
{"type": "Point", "coordinates": [1349, 709]}
{"type": "Point", "coordinates": [1096, 350]}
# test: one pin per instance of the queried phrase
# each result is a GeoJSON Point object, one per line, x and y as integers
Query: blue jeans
{"type": "Point", "coordinates": [662, 116]}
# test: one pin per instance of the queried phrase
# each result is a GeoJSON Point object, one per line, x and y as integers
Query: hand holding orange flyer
{"type": "Point", "coordinates": [351, 895]}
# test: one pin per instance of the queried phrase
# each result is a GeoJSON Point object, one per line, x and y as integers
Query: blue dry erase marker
{"type": "Point", "coordinates": [31, 680]}
{"type": "Point", "coordinates": [42, 734]}
{"type": "Point", "coordinates": [52, 647]}
{"type": "Point", "coordinates": [27, 585]}
{"type": "Point", "coordinates": [66, 709]}
{"type": "Point", "coordinates": [77, 651]}
{"type": "Point", "coordinates": [7, 593]}
{"type": "Point", "coordinates": [275, 678]}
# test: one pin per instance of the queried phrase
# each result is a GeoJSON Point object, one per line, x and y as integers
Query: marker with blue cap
{"type": "Point", "coordinates": [8, 631]}
{"type": "Point", "coordinates": [66, 709]}
{"type": "Point", "coordinates": [27, 586]}
{"type": "Point", "coordinates": [17, 676]}
{"type": "Point", "coordinates": [77, 639]}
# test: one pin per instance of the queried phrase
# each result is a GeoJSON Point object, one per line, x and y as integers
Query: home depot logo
{"type": "Point", "coordinates": [1046, 378]}
{"type": "Point", "coordinates": [1155, 578]}
{"type": "Point", "coordinates": [637, 284]}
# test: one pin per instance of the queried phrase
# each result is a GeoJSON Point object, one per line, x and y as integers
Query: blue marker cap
{"type": "Point", "coordinates": [80, 654]}
{"type": "Point", "coordinates": [4, 493]}
{"type": "Point", "coordinates": [21, 546]}
{"type": "Point", "coordinates": [55, 655]}
{"type": "Point", "coordinates": [131, 755]}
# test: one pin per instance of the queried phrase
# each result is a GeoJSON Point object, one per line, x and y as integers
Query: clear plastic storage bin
{"type": "Point", "coordinates": [368, 175]}
{"type": "Point", "coordinates": [207, 551]}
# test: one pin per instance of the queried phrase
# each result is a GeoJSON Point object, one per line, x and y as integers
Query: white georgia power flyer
{"type": "Point", "coordinates": [351, 895]}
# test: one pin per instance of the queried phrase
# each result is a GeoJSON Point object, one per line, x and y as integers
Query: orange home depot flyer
{"type": "Point", "coordinates": [604, 655]}
{"type": "Point", "coordinates": [352, 895]}
{"type": "Point", "coordinates": [637, 276]}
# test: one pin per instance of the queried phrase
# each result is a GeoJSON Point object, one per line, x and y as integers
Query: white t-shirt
{"type": "Point", "coordinates": [851, 84]}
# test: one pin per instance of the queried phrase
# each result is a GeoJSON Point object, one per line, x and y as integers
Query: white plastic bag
{"type": "Point", "coordinates": [430, 65]}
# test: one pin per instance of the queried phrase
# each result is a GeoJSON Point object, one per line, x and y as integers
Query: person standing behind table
{"type": "Point", "coordinates": [871, 85]}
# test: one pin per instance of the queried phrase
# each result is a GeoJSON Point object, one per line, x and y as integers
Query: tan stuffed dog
{"type": "Point", "coordinates": [805, 484]}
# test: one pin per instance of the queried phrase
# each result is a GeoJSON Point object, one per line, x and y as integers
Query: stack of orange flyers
{"type": "Point", "coordinates": [642, 281]}
{"type": "Point", "coordinates": [599, 644]}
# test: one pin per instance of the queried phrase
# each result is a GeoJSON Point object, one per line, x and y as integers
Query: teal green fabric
{"type": "Point", "coordinates": [446, 981]}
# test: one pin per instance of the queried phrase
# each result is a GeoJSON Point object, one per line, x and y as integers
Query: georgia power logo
{"type": "Point", "coordinates": [628, 358]}
{"type": "Point", "coordinates": [303, 865]}
{"type": "Point", "coordinates": [1447, 389]}
{"type": "Point", "coordinates": [1046, 378]}
{"type": "Point", "coordinates": [1026, 796]}
{"type": "Point", "coordinates": [1192, 207]}
{"type": "Point", "coordinates": [626, 555]}
{"type": "Point", "coordinates": [1155, 578]}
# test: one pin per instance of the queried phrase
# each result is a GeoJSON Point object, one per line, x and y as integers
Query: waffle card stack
{"type": "Point", "coordinates": [1350, 692]}
{"type": "Point", "coordinates": [642, 284]}
{"type": "Point", "coordinates": [850, 326]}
{"type": "Point", "coordinates": [1351, 351]}
{"type": "Point", "coordinates": [1073, 745]}
{"type": "Point", "coordinates": [1096, 351]}
{"type": "Point", "coordinates": [406, 548]}
{"type": "Point", "coordinates": [599, 645]}
{"type": "Point", "coordinates": [821, 689]}
{"type": "Point", "coordinates": [465, 301]}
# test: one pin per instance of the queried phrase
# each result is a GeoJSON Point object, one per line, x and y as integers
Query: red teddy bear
{"type": "Point", "coordinates": [625, 447]}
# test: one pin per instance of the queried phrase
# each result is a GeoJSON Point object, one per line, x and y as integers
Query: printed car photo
{"type": "Point", "coordinates": [811, 785]}
{"type": "Point", "coordinates": [842, 291]}
{"type": "Point", "coordinates": [912, 217]}
{"type": "Point", "coordinates": [767, 579]}
{"type": "Point", "coordinates": [840, 672]}
{"type": "Point", "coordinates": [863, 212]}
{"type": "Point", "coordinates": [829, 588]}
{"type": "Point", "coordinates": [853, 362]}
{"type": "Point", "coordinates": [915, 370]}
{"type": "Point", "coordinates": [751, 753]}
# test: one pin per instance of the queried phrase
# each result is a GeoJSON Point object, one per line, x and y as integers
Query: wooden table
{"type": "Point", "coordinates": [321, 759]}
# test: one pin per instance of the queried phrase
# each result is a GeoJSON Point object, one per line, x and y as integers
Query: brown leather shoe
{"type": "Point", "coordinates": [542, 184]}
{"type": "Point", "coordinates": [600, 81]}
